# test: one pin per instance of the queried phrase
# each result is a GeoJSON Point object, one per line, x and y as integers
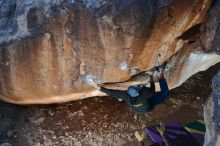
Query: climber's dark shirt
{"type": "Point", "coordinates": [146, 100]}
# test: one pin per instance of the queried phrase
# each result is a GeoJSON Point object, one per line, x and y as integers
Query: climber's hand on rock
{"type": "Point", "coordinates": [95, 85]}
{"type": "Point", "coordinates": [161, 74]}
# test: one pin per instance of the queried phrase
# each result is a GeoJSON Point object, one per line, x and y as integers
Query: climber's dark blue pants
{"type": "Point", "coordinates": [159, 97]}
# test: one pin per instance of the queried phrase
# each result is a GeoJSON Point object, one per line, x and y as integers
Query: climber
{"type": "Point", "coordinates": [141, 99]}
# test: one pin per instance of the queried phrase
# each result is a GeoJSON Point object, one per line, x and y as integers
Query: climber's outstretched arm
{"type": "Point", "coordinates": [115, 93]}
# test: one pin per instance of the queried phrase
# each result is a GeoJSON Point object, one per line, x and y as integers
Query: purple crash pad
{"type": "Point", "coordinates": [199, 137]}
{"type": "Point", "coordinates": [174, 131]}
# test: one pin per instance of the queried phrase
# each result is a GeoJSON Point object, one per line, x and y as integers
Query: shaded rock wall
{"type": "Point", "coordinates": [211, 33]}
{"type": "Point", "coordinates": [49, 49]}
{"type": "Point", "coordinates": [212, 114]}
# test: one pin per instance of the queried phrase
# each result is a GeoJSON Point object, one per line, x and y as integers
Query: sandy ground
{"type": "Point", "coordinates": [99, 121]}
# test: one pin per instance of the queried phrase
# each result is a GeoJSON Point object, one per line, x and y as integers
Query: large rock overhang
{"type": "Point", "coordinates": [50, 50]}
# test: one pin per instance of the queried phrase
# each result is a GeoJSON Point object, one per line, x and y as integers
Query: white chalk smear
{"type": "Point", "coordinates": [90, 79]}
{"type": "Point", "coordinates": [133, 70]}
{"type": "Point", "coordinates": [123, 66]}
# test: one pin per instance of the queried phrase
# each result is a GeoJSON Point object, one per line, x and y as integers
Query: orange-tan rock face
{"type": "Point", "coordinates": [49, 51]}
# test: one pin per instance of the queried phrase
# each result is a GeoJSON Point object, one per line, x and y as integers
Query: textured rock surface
{"type": "Point", "coordinates": [49, 49]}
{"type": "Point", "coordinates": [212, 114]}
{"type": "Point", "coordinates": [211, 34]}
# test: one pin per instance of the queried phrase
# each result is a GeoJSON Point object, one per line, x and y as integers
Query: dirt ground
{"type": "Point", "coordinates": [99, 120]}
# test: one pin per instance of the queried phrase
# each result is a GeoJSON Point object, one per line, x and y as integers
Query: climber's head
{"type": "Point", "coordinates": [133, 91]}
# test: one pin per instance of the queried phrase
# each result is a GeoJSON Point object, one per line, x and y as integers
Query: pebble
{"type": "Point", "coordinates": [135, 117]}
{"type": "Point", "coordinates": [10, 133]}
{"type": "Point", "coordinates": [79, 113]}
{"type": "Point", "coordinates": [85, 107]}
{"type": "Point", "coordinates": [129, 138]}
{"type": "Point", "coordinates": [120, 100]}
{"type": "Point", "coordinates": [106, 116]}
{"type": "Point", "coordinates": [38, 120]}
